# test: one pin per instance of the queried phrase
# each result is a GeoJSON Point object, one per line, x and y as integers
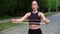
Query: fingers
{"type": "Point", "coordinates": [12, 20]}
{"type": "Point", "coordinates": [47, 22]}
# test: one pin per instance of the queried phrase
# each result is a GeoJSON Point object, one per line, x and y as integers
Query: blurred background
{"type": "Point", "coordinates": [17, 8]}
{"type": "Point", "coordinates": [13, 8]}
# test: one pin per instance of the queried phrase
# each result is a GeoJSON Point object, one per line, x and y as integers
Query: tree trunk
{"type": "Point", "coordinates": [56, 9]}
{"type": "Point", "coordinates": [56, 5]}
{"type": "Point", "coordinates": [49, 10]}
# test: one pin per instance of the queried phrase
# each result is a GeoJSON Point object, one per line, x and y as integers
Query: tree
{"type": "Point", "coordinates": [52, 4]}
{"type": "Point", "coordinates": [57, 4]}
{"type": "Point", "coordinates": [7, 7]}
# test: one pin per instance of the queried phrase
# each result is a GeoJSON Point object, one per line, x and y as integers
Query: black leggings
{"type": "Point", "coordinates": [37, 31]}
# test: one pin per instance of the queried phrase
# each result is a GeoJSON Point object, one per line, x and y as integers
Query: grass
{"type": "Point", "coordinates": [5, 17]}
{"type": "Point", "coordinates": [4, 26]}
{"type": "Point", "coordinates": [51, 13]}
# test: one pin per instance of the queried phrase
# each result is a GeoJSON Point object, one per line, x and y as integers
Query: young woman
{"type": "Point", "coordinates": [34, 19]}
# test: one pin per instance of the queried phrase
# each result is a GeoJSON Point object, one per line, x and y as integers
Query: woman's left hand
{"type": "Point", "coordinates": [47, 21]}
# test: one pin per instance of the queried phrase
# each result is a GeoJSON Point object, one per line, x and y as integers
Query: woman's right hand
{"type": "Point", "coordinates": [12, 20]}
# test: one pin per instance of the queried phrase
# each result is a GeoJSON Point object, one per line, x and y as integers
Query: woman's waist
{"type": "Point", "coordinates": [34, 26]}
{"type": "Point", "coordinates": [34, 23]}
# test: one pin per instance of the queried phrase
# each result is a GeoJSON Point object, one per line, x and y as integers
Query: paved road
{"type": "Point", "coordinates": [52, 28]}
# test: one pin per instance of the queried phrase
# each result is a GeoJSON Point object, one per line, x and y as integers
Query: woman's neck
{"type": "Point", "coordinates": [35, 11]}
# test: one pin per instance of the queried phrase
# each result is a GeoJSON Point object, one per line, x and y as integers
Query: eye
{"type": "Point", "coordinates": [34, 4]}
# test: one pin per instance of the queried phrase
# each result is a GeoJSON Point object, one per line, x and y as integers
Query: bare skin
{"type": "Point", "coordinates": [35, 10]}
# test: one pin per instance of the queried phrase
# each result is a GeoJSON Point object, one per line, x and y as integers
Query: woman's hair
{"type": "Point", "coordinates": [36, 1]}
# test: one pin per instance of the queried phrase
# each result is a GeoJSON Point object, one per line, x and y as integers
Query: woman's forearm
{"type": "Point", "coordinates": [16, 20]}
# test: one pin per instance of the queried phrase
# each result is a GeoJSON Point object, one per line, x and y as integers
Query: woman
{"type": "Point", "coordinates": [34, 19]}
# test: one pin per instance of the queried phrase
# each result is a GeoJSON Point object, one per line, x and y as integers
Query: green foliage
{"type": "Point", "coordinates": [52, 4]}
{"type": "Point", "coordinates": [7, 6]}
{"type": "Point", "coordinates": [20, 7]}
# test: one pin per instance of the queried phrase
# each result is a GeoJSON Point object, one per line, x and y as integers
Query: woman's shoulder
{"type": "Point", "coordinates": [41, 13]}
{"type": "Point", "coordinates": [28, 13]}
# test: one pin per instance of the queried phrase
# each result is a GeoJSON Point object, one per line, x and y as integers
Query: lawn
{"type": "Point", "coordinates": [4, 26]}
{"type": "Point", "coordinates": [51, 13]}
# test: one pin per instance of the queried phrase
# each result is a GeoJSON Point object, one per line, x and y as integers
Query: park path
{"type": "Point", "coordinates": [52, 28]}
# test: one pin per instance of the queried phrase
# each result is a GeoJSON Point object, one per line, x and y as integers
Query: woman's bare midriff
{"type": "Point", "coordinates": [34, 26]}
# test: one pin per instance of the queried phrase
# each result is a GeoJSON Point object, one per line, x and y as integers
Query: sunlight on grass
{"type": "Point", "coordinates": [4, 26]}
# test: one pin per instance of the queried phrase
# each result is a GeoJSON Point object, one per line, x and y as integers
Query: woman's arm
{"type": "Point", "coordinates": [20, 19]}
{"type": "Point", "coordinates": [44, 18]}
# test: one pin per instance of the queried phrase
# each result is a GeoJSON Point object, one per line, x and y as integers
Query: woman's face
{"type": "Point", "coordinates": [34, 5]}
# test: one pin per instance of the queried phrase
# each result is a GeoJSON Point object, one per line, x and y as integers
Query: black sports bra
{"type": "Point", "coordinates": [34, 18]}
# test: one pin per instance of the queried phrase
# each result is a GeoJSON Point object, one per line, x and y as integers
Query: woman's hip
{"type": "Point", "coordinates": [35, 31]}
